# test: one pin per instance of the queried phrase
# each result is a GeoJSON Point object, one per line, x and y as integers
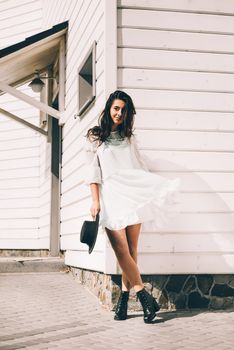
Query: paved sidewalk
{"type": "Point", "coordinates": [52, 310]}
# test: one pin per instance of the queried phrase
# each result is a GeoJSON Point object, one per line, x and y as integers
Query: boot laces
{"type": "Point", "coordinates": [122, 299]}
{"type": "Point", "coordinates": [145, 297]}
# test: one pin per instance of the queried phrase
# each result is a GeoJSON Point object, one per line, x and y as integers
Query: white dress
{"type": "Point", "coordinates": [129, 192]}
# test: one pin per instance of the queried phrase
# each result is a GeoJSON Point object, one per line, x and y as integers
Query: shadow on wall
{"type": "Point", "coordinates": [203, 224]}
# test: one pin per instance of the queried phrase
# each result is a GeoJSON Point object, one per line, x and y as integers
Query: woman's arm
{"type": "Point", "coordinates": [95, 208]}
{"type": "Point", "coordinates": [92, 174]}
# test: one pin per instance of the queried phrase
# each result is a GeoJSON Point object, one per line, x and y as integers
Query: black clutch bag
{"type": "Point", "coordinates": [88, 233]}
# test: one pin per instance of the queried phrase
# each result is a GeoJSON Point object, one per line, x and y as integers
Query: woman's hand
{"type": "Point", "coordinates": [95, 208]}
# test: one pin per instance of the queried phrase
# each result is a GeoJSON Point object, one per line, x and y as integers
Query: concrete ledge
{"type": "Point", "coordinates": [32, 264]}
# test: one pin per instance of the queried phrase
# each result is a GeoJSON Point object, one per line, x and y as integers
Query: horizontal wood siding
{"type": "Point", "coordinates": [176, 60]}
{"type": "Point", "coordinates": [86, 24]}
{"type": "Point", "coordinates": [19, 145]}
{"type": "Point", "coordinates": [19, 179]}
{"type": "Point", "coordinates": [18, 20]}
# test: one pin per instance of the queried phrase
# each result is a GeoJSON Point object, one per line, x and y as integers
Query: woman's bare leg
{"type": "Point", "coordinates": [132, 233]}
{"type": "Point", "coordinates": [119, 242]}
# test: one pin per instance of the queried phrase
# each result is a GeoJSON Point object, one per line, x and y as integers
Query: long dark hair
{"type": "Point", "coordinates": [101, 131]}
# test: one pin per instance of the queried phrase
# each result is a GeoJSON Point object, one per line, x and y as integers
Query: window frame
{"type": "Point", "coordinates": [85, 107]}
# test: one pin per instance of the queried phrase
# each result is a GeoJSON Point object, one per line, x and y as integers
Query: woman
{"type": "Point", "coordinates": [125, 193]}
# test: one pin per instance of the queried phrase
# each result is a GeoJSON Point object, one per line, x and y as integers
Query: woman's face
{"type": "Point", "coordinates": [116, 113]}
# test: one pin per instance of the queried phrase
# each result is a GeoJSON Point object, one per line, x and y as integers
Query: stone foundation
{"type": "Point", "coordinates": [173, 292]}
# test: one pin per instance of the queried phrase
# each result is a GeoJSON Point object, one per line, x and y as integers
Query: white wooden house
{"type": "Point", "coordinates": [175, 58]}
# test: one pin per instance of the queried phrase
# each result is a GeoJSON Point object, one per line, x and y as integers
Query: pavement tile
{"type": "Point", "coordinates": [54, 311]}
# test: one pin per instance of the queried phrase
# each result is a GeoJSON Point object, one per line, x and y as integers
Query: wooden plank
{"type": "Point", "coordinates": [150, 243]}
{"type": "Point", "coordinates": [18, 203]}
{"type": "Point", "coordinates": [184, 120]}
{"type": "Point", "coordinates": [189, 161]}
{"type": "Point", "coordinates": [19, 183]}
{"type": "Point", "coordinates": [175, 60]}
{"type": "Point", "coordinates": [174, 80]}
{"type": "Point", "coordinates": [44, 224]}
{"type": "Point", "coordinates": [45, 187]}
{"type": "Point", "coordinates": [151, 39]}
{"type": "Point", "coordinates": [17, 20]}
{"type": "Point", "coordinates": [19, 173]}
{"type": "Point", "coordinates": [195, 222]}
{"type": "Point", "coordinates": [74, 194]}
{"type": "Point", "coordinates": [110, 46]}
{"type": "Point", "coordinates": [182, 100]}
{"type": "Point", "coordinates": [29, 25]}
{"type": "Point", "coordinates": [72, 181]}
{"type": "Point", "coordinates": [74, 164]}
{"type": "Point", "coordinates": [209, 202]}
{"type": "Point", "coordinates": [19, 144]}
{"type": "Point", "coordinates": [81, 19]}
{"type": "Point", "coordinates": [9, 8]}
{"type": "Point", "coordinates": [43, 236]}
{"type": "Point", "coordinates": [16, 134]}
{"type": "Point", "coordinates": [44, 212]}
{"type": "Point", "coordinates": [20, 223]}
{"type": "Point", "coordinates": [217, 181]}
{"type": "Point", "coordinates": [177, 21]}
{"type": "Point", "coordinates": [214, 6]}
{"type": "Point", "coordinates": [186, 263]}
{"type": "Point", "coordinates": [77, 209]}
{"type": "Point", "coordinates": [195, 202]}
{"type": "Point", "coordinates": [81, 259]}
{"type": "Point", "coordinates": [18, 234]}
{"type": "Point", "coordinates": [45, 206]}
{"type": "Point", "coordinates": [9, 193]}
{"type": "Point", "coordinates": [24, 244]}
{"type": "Point", "coordinates": [18, 213]}
{"type": "Point", "coordinates": [17, 163]}
{"type": "Point", "coordinates": [185, 140]}
{"type": "Point", "coordinates": [17, 153]}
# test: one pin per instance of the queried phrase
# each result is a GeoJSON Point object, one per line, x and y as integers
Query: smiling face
{"type": "Point", "coordinates": [116, 113]}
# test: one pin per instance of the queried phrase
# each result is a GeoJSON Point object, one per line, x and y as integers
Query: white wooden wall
{"type": "Point", "coordinates": [19, 19]}
{"type": "Point", "coordinates": [21, 150]}
{"type": "Point", "coordinates": [86, 24]}
{"type": "Point", "coordinates": [175, 58]}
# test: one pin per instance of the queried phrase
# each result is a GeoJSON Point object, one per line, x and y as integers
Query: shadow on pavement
{"type": "Point", "coordinates": [164, 316]}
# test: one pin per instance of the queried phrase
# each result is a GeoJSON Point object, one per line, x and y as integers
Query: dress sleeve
{"type": "Point", "coordinates": [92, 172]}
{"type": "Point", "coordinates": [141, 158]}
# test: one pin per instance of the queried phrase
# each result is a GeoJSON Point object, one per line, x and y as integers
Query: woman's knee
{"type": "Point", "coordinates": [119, 242]}
{"type": "Point", "coordinates": [121, 250]}
{"type": "Point", "coordinates": [133, 253]}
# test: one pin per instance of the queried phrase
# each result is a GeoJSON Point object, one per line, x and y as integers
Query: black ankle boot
{"type": "Point", "coordinates": [149, 305]}
{"type": "Point", "coordinates": [122, 306]}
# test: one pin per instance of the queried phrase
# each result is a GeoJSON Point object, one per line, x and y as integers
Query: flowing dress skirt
{"type": "Point", "coordinates": [132, 196]}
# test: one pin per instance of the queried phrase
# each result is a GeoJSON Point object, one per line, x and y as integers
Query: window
{"type": "Point", "coordinates": [86, 81]}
